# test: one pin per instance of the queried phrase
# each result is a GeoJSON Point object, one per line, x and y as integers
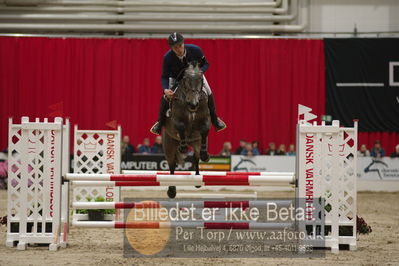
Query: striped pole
{"type": "Point", "coordinates": [183, 178]}
{"type": "Point", "coordinates": [193, 225]}
{"type": "Point", "coordinates": [160, 184]}
{"type": "Point", "coordinates": [147, 172]}
{"type": "Point", "coordinates": [219, 195]}
{"type": "Point", "coordinates": [244, 204]}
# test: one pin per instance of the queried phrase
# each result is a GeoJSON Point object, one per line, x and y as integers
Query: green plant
{"type": "Point", "coordinates": [102, 199]}
{"type": "Point", "coordinates": [97, 199]}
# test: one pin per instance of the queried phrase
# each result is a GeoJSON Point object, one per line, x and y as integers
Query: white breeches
{"type": "Point", "coordinates": [206, 87]}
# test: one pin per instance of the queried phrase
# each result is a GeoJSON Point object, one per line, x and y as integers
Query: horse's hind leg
{"type": "Point", "coordinates": [171, 192]}
{"type": "Point", "coordinates": [172, 189]}
{"type": "Point", "coordinates": [196, 164]}
{"type": "Point", "coordinates": [170, 148]}
{"type": "Point", "coordinates": [196, 145]}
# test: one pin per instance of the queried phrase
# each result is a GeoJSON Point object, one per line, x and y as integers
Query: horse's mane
{"type": "Point", "coordinates": [193, 69]}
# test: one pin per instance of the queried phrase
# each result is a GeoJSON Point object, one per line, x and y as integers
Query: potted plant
{"type": "Point", "coordinates": [96, 214]}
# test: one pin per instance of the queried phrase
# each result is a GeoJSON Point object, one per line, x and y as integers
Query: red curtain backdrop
{"type": "Point", "coordinates": [257, 83]}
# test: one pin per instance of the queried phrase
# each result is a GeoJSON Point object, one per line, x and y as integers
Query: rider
{"type": "Point", "coordinates": [174, 62]}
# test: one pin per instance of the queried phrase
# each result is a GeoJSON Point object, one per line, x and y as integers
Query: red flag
{"type": "Point", "coordinates": [112, 124]}
{"type": "Point", "coordinates": [58, 109]}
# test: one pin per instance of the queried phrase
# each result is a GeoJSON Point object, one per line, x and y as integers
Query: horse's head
{"type": "Point", "coordinates": [192, 83]}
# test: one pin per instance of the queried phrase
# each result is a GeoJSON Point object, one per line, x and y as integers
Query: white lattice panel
{"type": "Point", "coordinates": [348, 191]}
{"type": "Point", "coordinates": [34, 199]}
{"type": "Point", "coordinates": [14, 180]}
{"type": "Point", "coordinates": [318, 175]}
{"type": "Point", "coordinates": [96, 151]}
{"type": "Point", "coordinates": [330, 152]}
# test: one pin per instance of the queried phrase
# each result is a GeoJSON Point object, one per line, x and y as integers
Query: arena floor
{"type": "Point", "coordinates": [86, 247]}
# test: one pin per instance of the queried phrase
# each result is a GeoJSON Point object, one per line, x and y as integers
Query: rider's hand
{"type": "Point", "coordinates": [169, 93]}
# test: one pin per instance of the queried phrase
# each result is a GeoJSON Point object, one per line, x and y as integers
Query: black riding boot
{"type": "Point", "coordinates": [157, 127]}
{"type": "Point", "coordinates": [216, 121]}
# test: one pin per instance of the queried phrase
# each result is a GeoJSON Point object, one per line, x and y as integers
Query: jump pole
{"type": "Point", "coordinates": [148, 172]}
{"type": "Point", "coordinates": [248, 178]}
{"type": "Point", "coordinates": [160, 184]}
{"type": "Point", "coordinates": [216, 195]}
{"type": "Point", "coordinates": [193, 225]}
{"type": "Point", "coordinates": [244, 204]}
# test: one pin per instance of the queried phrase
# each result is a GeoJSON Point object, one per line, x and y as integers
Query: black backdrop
{"type": "Point", "coordinates": [363, 61]}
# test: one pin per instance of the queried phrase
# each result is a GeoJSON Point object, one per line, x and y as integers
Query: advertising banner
{"type": "Point", "coordinates": [368, 168]}
{"type": "Point", "coordinates": [158, 162]}
{"type": "Point", "coordinates": [362, 80]}
{"type": "Point", "coordinates": [262, 163]}
{"type": "Point", "coordinates": [386, 168]}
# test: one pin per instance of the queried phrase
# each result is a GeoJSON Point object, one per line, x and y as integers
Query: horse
{"type": "Point", "coordinates": [188, 122]}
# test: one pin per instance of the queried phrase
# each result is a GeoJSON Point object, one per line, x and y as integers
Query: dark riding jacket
{"type": "Point", "coordinates": [173, 66]}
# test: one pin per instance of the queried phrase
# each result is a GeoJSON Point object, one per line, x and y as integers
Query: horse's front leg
{"type": "Point", "coordinates": [180, 127]}
{"type": "Point", "coordinates": [204, 130]}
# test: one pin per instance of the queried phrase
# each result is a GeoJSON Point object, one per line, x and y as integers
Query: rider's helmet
{"type": "Point", "coordinates": [175, 38]}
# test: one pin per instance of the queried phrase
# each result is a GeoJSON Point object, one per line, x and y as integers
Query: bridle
{"type": "Point", "coordinates": [181, 93]}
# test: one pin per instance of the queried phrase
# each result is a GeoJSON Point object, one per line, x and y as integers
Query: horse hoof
{"type": "Point", "coordinates": [198, 186]}
{"type": "Point", "coordinates": [204, 155]}
{"type": "Point", "coordinates": [183, 148]}
{"type": "Point", "coordinates": [171, 192]}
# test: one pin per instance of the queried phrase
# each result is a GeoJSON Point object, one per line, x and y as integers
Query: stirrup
{"type": "Point", "coordinates": [156, 129]}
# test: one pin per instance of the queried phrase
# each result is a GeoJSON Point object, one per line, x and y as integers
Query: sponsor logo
{"type": "Point", "coordinates": [154, 165]}
{"type": "Point", "coordinates": [248, 165]}
{"type": "Point", "coordinates": [109, 191]}
{"type": "Point", "coordinates": [90, 146]}
{"type": "Point", "coordinates": [52, 170]}
{"type": "Point", "coordinates": [309, 166]}
{"type": "Point", "coordinates": [375, 166]}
